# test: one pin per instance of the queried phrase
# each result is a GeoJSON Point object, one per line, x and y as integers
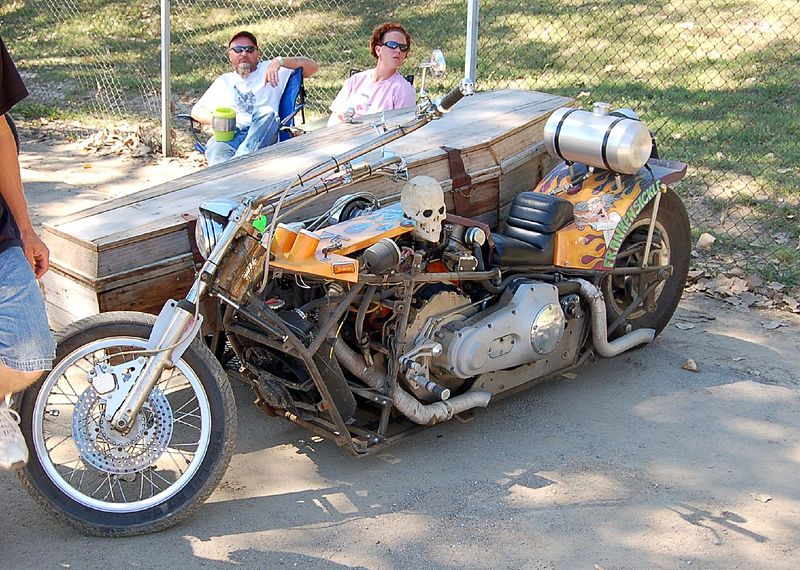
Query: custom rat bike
{"type": "Point", "coordinates": [361, 324]}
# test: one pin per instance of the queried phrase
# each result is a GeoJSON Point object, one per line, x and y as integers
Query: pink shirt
{"type": "Point", "coordinates": [366, 96]}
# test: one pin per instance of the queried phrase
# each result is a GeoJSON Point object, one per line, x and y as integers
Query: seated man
{"type": "Point", "coordinates": [254, 90]}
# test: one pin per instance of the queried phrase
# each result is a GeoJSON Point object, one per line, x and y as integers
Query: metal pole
{"type": "Point", "coordinates": [166, 91]}
{"type": "Point", "coordinates": [471, 55]}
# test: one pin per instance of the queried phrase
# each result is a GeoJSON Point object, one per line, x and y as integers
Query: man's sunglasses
{"type": "Point", "coordinates": [248, 49]}
{"type": "Point", "coordinates": [391, 44]}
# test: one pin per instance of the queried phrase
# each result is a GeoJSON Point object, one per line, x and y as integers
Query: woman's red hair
{"type": "Point", "coordinates": [381, 30]}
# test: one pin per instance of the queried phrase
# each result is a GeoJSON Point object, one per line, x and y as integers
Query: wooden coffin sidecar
{"type": "Point", "coordinates": [134, 252]}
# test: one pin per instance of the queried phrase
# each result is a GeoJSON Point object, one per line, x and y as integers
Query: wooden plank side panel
{"type": "Point", "coordinates": [522, 178]}
{"type": "Point", "coordinates": [67, 252]}
{"type": "Point", "coordinates": [482, 201]}
{"type": "Point", "coordinates": [145, 249]}
{"type": "Point", "coordinates": [58, 317]}
{"type": "Point", "coordinates": [67, 299]}
{"type": "Point", "coordinates": [149, 294]}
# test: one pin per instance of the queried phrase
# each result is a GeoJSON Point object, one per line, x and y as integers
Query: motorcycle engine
{"type": "Point", "coordinates": [526, 324]}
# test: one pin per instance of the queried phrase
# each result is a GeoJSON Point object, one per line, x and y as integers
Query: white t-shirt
{"type": "Point", "coordinates": [245, 95]}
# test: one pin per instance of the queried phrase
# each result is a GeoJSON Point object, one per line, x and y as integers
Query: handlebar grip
{"type": "Point", "coordinates": [446, 103]}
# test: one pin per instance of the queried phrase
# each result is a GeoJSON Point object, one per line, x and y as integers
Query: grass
{"type": "Point", "coordinates": [715, 79]}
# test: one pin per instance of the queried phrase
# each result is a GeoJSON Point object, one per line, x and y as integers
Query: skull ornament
{"type": "Point", "coordinates": [422, 200]}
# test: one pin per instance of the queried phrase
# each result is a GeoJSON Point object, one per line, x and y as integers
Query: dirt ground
{"type": "Point", "coordinates": [633, 462]}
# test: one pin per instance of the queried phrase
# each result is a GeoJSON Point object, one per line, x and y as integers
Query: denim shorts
{"type": "Point", "coordinates": [26, 343]}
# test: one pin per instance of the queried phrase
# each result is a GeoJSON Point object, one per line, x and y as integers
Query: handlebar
{"type": "Point", "coordinates": [446, 103]}
{"type": "Point", "coordinates": [276, 198]}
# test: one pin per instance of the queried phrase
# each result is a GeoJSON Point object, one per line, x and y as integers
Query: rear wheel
{"type": "Point", "coordinates": [107, 483]}
{"type": "Point", "coordinates": [671, 245]}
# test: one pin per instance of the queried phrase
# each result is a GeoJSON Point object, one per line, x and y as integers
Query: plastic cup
{"type": "Point", "coordinates": [223, 124]}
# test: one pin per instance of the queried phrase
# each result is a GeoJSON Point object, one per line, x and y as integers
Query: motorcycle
{"type": "Point", "coordinates": [362, 324]}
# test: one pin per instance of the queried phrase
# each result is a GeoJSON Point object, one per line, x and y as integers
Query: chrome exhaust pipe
{"type": "Point", "coordinates": [602, 345]}
{"type": "Point", "coordinates": [409, 406]}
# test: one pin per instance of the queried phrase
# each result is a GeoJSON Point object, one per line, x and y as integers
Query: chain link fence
{"type": "Point", "coordinates": [714, 79]}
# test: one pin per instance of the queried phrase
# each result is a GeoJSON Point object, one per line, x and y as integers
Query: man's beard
{"type": "Point", "coordinates": [244, 69]}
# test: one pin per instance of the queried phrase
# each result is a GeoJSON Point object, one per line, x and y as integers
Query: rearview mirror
{"type": "Point", "coordinates": [437, 65]}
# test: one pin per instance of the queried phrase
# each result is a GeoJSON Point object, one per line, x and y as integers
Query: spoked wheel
{"type": "Point", "coordinates": [671, 245]}
{"type": "Point", "coordinates": [109, 483]}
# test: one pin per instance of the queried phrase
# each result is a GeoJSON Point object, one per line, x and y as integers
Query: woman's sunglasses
{"type": "Point", "coordinates": [391, 44]}
{"type": "Point", "coordinates": [248, 49]}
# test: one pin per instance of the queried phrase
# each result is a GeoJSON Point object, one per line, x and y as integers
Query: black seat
{"type": "Point", "coordinates": [532, 222]}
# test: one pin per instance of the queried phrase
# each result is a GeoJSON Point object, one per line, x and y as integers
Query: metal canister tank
{"type": "Point", "coordinates": [615, 142]}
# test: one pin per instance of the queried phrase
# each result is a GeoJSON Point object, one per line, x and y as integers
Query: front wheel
{"type": "Point", "coordinates": [107, 483]}
{"type": "Point", "coordinates": [671, 245]}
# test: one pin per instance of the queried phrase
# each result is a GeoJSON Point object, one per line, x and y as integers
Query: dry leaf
{"type": "Point", "coordinates": [737, 358]}
{"type": "Point", "coordinates": [705, 242]}
{"type": "Point", "coordinates": [761, 497]}
{"type": "Point", "coordinates": [695, 317]}
{"type": "Point", "coordinates": [684, 326]}
{"type": "Point", "coordinates": [690, 365]}
{"type": "Point", "coordinates": [772, 325]}
{"type": "Point", "coordinates": [754, 281]}
{"type": "Point", "coordinates": [738, 285]}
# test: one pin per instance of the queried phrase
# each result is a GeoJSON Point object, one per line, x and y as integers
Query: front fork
{"type": "Point", "coordinates": [175, 327]}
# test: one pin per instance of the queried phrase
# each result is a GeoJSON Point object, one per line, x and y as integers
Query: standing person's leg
{"type": "Point", "coordinates": [217, 151]}
{"type": "Point", "coordinates": [26, 347]}
{"type": "Point", "coordinates": [263, 131]}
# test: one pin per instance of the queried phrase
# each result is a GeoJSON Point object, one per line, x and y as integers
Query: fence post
{"type": "Point", "coordinates": [471, 55]}
{"type": "Point", "coordinates": [166, 91]}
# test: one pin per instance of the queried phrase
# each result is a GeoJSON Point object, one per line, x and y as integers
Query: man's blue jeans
{"type": "Point", "coordinates": [262, 132]}
{"type": "Point", "coordinates": [25, 340]}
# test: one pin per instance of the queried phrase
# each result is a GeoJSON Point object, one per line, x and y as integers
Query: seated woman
{"type": "Point", "coordinates": [381, 88]}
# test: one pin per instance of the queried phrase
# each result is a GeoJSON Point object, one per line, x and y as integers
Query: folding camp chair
{"type": "Point", "coordinates": [293, 101]}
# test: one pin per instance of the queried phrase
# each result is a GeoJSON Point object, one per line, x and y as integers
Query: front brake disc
{"type": "Point", "coordinates": [110, 451]}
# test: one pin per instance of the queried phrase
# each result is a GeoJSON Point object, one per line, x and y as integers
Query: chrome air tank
{"type": "Point", "coordinates": [611, 141]}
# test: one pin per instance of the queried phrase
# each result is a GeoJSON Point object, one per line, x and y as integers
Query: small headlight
{"type": "Point", "coordinates": [211, 223]}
